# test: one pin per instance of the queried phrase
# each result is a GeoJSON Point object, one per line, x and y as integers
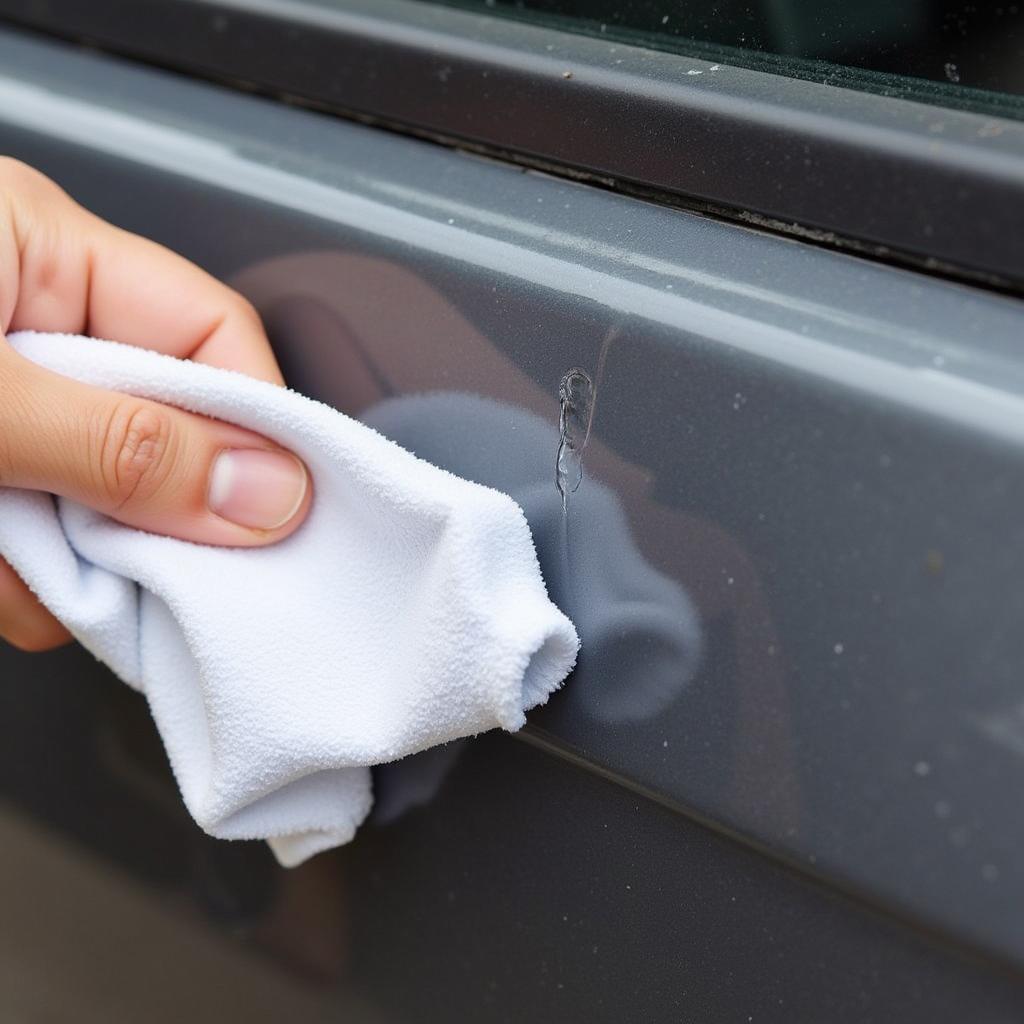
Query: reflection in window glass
{"type": "Point", "coordinates": [944, 51]}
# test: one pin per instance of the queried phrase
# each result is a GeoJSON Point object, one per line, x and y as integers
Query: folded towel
{"type": "Point", "coordinates": [641, 632]}
{"type": "Point", "coordinates": [408, 610]}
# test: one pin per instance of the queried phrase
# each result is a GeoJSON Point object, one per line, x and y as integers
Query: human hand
{"type": "Point", "coordinates": [147, 465]}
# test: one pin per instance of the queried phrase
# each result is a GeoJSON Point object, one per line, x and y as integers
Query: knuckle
{"type": "Point", "coordinates": [13, 171]}
{"type": "Point", "coordinates": [246, 311]}
{"type": "Point", "coordinates": [136, 453]}
{"type": "Point", "coordinates": [18, 178]}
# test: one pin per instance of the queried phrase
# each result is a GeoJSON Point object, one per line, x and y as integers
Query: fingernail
{"type": "Point", "coordinates": [256, 488]}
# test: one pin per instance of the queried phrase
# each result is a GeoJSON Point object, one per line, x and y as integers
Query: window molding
{"type": "Point", "coordinates": [941, 189]}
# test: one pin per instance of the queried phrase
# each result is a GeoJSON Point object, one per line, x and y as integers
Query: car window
{"type": "Point", "coordinates": [959, 54]}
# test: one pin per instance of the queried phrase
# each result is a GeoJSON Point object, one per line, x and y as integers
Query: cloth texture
{"type": "Point", "coordinates": [407, 611]}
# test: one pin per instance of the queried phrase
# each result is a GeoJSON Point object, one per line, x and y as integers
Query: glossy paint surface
{"type": "Point", "coordinates": [794, 740]}
{"type": "Point", "coordinates": [907, 180]}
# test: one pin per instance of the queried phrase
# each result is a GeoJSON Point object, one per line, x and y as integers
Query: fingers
{"type": "Point", "coordinates": [156, 468]}
{"type": "Point", "coordinates": [24, 622]}
{"type": "Point", "coordinates": [64, 269]}
{"type": "Point", "coordinates": [147, 465]}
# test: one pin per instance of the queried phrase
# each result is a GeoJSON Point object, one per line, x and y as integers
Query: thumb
{"type": "Point", "coordinates": [145, 464]}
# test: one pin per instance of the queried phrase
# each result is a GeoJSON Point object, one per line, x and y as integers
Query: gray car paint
{"type": "Point", "coordinates": [822, 455]}
{"type": "Point", "coordinates": [929, 185]}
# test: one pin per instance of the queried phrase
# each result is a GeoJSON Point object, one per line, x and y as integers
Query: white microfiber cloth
{"type": "Point", "coordinates": [408, 610]}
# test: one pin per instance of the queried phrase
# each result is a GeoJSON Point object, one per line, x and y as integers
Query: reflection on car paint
{"type": "Point", "coordinates": [352, 329]}
{"type": "Point", "coordinates": [639, 632]}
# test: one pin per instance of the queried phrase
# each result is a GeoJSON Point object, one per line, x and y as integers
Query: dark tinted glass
{"type": "Point", "coordinates": [945, 51]}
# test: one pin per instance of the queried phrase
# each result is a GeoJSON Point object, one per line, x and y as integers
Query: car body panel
{"type": "Point", "coordinates": [799, 792]}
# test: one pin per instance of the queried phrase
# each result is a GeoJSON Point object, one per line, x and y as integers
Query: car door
{"type": "Point", "coordinates": [755, 316]}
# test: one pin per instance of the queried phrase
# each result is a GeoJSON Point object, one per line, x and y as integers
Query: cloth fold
{"type": "Point", "coordinates": [407, 611]}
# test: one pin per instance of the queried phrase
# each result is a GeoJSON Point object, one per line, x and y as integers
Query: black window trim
{"type": "Point", "coordinates": [940, 189]}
